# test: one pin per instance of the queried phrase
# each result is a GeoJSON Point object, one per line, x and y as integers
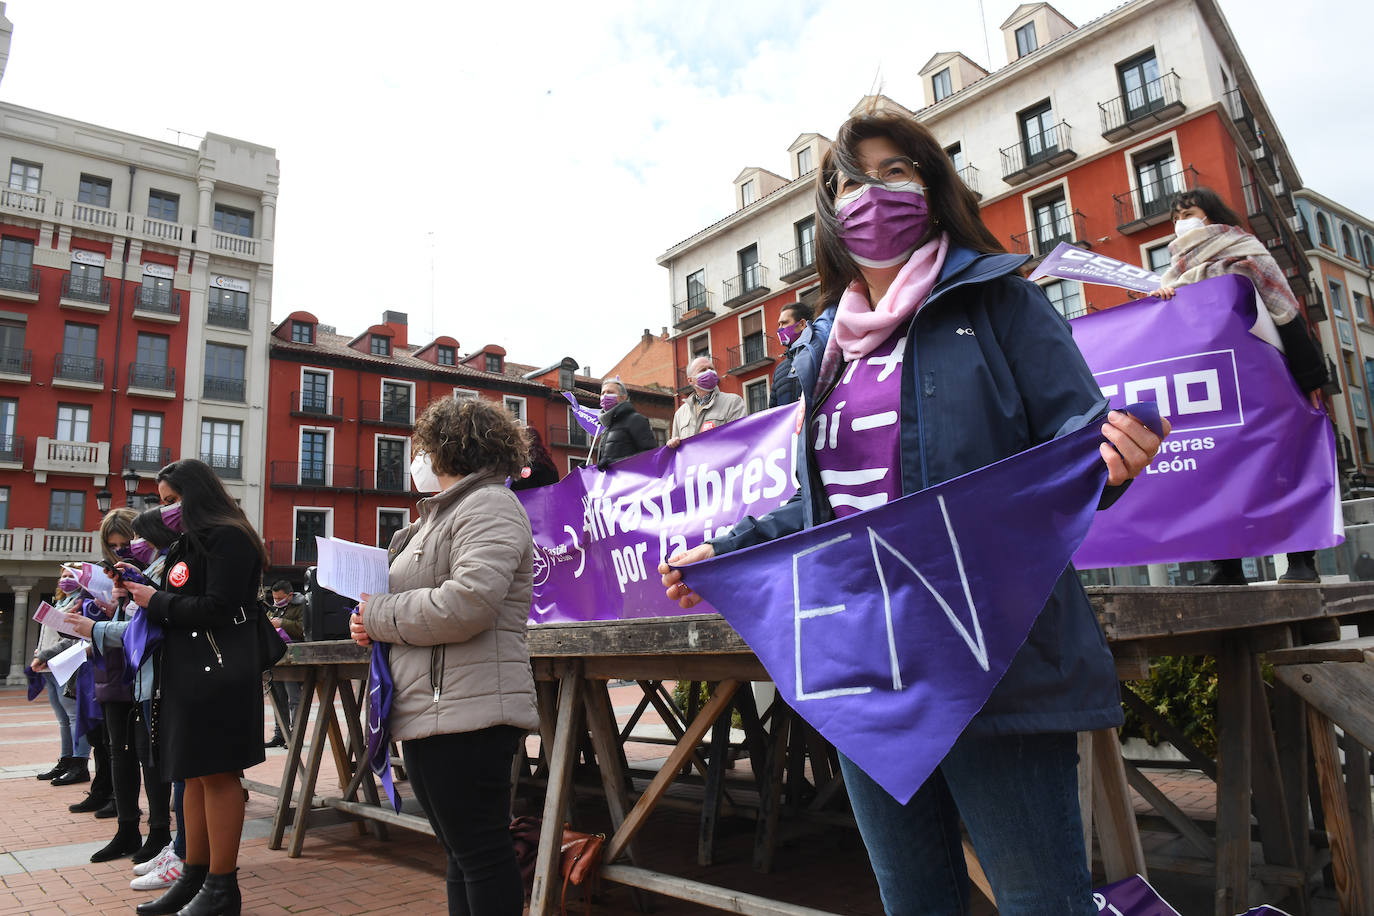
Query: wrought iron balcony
{"type": "Point", "coordinates": [1156, 101]}
{"type": "Point", "coordinates": [152, 377]}
{"type": "Point", "coordinates": [223, 388]}
{"type": "Point", "coordinates": [1268, 162]}
{"type": "Point", "coordinates": [1242, 117]}
{"type": "Point", "coordinates": [1260, 213]}
{"type": "Point", "coordinates": [385, 480]}
{"type": "Point", "coordinates": [78, 368]}
{"type": "Point", "coordinates": [227, 315]}
{"type": "Point", "coordinates": [159, 301]}
{"type": "Point", "coordinates": [746, 287]}
{"type": "Point", "coordinates": [12, 449]}
{"type": "Point", "coordinates": [15, 361]}
{"type": "Point", "coordinates": [693, 310]}
{"type": "Point", "coordinates": [95, 290]}
{"type": "Point", "coordinates": [1148, 205]}
{"type": "Point", "coordinates": [313, 475]}
{"type": "Point", "coordinates": [227, 466]}
{"type": "Point", "coordinates": [147, 457]}
{"type": "Point", "coordinates": [314, 405]}
{"type": "Point", "coordinates": [756, 351]}
{"type": "Point", "coordinates": [797, 263]}
{"type": "Point", "coordinates": [386, 413]}
{"type": "Point", "coordinates": [1037, 154]}
{"type": "Point", "coordinates": [969, 176]}
{"type": "Point", "coordinates": [569, 436]}
{"type": "Point", "coordinates": [1042, 240]}
{"type": "Point", "coordinates": [293, 553]}
{"type": "Point", "coordinates": [16, 278]}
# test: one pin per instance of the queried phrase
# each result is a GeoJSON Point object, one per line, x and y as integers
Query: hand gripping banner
{"type": "Point", "coordinates": [888, 630]}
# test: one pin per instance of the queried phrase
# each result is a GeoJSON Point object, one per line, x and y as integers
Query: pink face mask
{"type": "Point", "coordinates": [707, 380]}
{"type": "Point", "coordinates": [609, 400]}
{"type": "Point", "coordinates": [880, 225]}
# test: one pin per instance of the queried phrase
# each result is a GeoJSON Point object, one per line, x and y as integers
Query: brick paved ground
{"type": "Point", "coordinates": [45, 850]}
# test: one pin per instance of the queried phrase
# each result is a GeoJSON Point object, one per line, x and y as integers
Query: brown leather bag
{"type": "Point", "coordinates": [579, 857]}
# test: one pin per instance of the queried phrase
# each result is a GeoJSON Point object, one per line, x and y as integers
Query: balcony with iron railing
{"type": "Point", "coordinates": [16, 365]}
{"type": "Point", "coordinates": [157, 303]}
{"type": "Point", "coordinates": [230, 467]}
{"type": "Point", "coordinates": [152, 379]}
{"type": "Point", "coordinates": [1141, 108]}
{"type": "Point", "coordinates": [227, 315]}
{"type": "Point", "coordinates": [756, 351]}
{"type": "Point", "coordinates": [86, 293]}
{"type": "Point", "coordinates": [1242, 117]}
{"type": "Point", "coordinates": [387, 413]}
{"type": "Point", "coordinates": [321, 407]}
{"type": "Point", "coordinates": [283, 554]}
{"type": "Point", "coordinates": [797, 263]}
{"type": "Point", "coordinates": [969, 176]}
{"type": "Point", "coordinates": [48, 546]}
{"type": "Point", "coordinates": [312, 475]}
{"type": "Point", "coordinates": [748, 286]}
{"type": "Point", "coordinates": [16, 279]}
{"type": "Point", "coordinates": [1260, 212]}
{"type": "Point", "coordinates": [1040, 241]}
{"type": "Point", "coordinates": [1148, 204]}
{"type": "Point", "coordinates": [61, 456]}
{"type": "Point", "coordinates": [12, 449]}
{"type": "Point", "coordinates": [224, 388]}
{"type": "Point", "coordinates": [384, 480]}
{"type": "Point", "coordinates": [1267, 161]}
{"type": "Point", "coordinates": [78, 371]}
{"type": "Point", "coordinates": [1037, 154]}
{"type": "Point", "coordinates": [693, 310]}
{"type": "Point", "coordinates": [569, 437]}
{"type": "Point", "coordinates": [147, 457]}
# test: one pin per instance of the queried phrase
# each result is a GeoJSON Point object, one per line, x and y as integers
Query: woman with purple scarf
{"type": "Point", "coordinates": [942, 360]}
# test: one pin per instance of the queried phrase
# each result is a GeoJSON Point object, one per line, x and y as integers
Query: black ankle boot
{"type": "Point", "coordinates": [79, 771]}
{"type": "Point", "coordinates": [92, 802]}
{"type": "Point", "coordinates": [62, 766]}
{"type": "Point", "coordinates": [126, 842]}
{"type": "Point", "coordinates": [156, 842]}
{"type": "Point", "coordinates": [219, 896]}
{"type": "Point", "coordinates": [182, 892]}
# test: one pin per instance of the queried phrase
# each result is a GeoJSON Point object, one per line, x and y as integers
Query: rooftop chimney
{"type": "Point", "coordinates": [398, 322]}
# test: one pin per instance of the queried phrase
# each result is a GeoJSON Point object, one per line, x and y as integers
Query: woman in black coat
{"type": "Point", "coordinates": [209, 723]}
{"type": "Point", "coordinates": [624, 430]}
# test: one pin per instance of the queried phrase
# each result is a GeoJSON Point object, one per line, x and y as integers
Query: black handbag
{"type": "Point", "coordinates": [271, 647]}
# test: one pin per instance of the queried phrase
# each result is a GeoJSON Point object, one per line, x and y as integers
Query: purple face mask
{"type": "Point", "coordinates": [707, 380]}
{"type": "Point", "coordinates": [609, 400]}
{"type": "Point", "coordinates": [881, 226]}
{"type": "Point", "coordinates": [139, 551]}
{"type": "Point", "coordinates": [788, 335]}
{"type": "Point", "coordinates": [171, 517]}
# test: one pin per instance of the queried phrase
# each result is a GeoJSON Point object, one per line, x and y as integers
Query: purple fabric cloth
{"type": "Point", "coordinates": [856, 436]}
{"type": "Point", "coordinates": [1250, 467]}
{"type": "Point", "coordinates": [88, 712]}
{"type": "Point", "coordinates": [1073, 263]}
{"type": "Point", "coordinates": [888, 630]}
{"type": "Point", "coordinates": [589, 418]}
{"type": "Point", "coordinates": [1131, 896]}
{"type": "Point", "coordinates": [141, 637]}
{"type": "Point", "coordinates": [35, 681]}
{"type": "Point", "coordinates": [380, 690]}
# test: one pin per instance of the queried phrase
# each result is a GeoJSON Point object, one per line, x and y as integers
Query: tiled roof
{"type": "Point", "coordinates": [336, 345]}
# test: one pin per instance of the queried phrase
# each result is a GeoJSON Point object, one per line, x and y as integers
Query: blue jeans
{"type": "Point", "coordinates": [1018, 798]}
{"type": "Point", "coordinates": [65, 710]}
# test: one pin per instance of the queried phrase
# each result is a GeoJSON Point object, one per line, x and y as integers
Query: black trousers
{"type": "Point", "coordinates": [102, 785]}
{"type": "Point", "coordinates": [463, 783]}
{"type": "Point", "coordinates": [128, 758]}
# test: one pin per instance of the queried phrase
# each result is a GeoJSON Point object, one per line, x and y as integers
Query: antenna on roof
{"type": "Point", "coordinates": [433, 331]}
{"type": "Point", "coordinates": [987, 46]}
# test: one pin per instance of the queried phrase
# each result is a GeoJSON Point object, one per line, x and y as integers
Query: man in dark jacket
{"type": "Point", "coordinates": [286, 613]}
{"type": "Point", "coordinates": [624, 430]}
{"type": "Point", "coordinates": [804, 339]}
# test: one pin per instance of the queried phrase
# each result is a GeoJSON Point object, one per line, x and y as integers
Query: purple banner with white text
{"type": "Point", "coordinates": [1250, 467]}
{"type": "Point", "coordinates": [600, 535]}
{"type": "Point", "coordinates": [1073, 263]}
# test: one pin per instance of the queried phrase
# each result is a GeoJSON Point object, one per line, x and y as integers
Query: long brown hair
{"type": "Point", "coordinates": [953, 207]}
{"type": "Point", "coordinates": [205, 504]}
{"type": "Point", "coordinates": [120, 522]}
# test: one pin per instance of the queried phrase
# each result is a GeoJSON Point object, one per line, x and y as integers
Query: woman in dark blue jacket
{"type": "Point", "coordinates": [955, 362]}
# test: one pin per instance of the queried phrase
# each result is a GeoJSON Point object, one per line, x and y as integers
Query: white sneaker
{"type": "Point", "coordinates": [163, 876]}
{"type": "Point", "coordinates": [144, 868]}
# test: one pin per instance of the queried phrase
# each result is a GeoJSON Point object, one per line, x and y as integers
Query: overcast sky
{"type": "Point", "coordinates": [540, 155]}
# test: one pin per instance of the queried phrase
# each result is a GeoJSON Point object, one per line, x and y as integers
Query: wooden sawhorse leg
{"type": "Point", "coordinates": [293, 761]}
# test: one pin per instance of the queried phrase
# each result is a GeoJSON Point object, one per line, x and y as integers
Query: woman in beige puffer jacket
{"type": "Point", "coordinates": [455, 615]}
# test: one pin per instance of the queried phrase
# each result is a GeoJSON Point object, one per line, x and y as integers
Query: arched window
{"type": "Point", "coordinates": [1324, 230]}
{"type": "Point", "coordinates": [1348, 244]}
{"type": "Point", "coordinates": [1368, 251]}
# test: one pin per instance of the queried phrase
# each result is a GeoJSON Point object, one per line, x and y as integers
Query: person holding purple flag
{"type": "Point", "coordinates": [1209, 242]}
{"type": "Point", "coordinates": [942, 360]}
{"type": "Point", "coordinates": [462, 693]}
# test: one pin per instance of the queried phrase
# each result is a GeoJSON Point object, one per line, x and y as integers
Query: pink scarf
{"type": "Point", "coordinates": [858, 328]}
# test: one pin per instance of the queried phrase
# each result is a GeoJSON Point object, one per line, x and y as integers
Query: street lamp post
{"type": "Point", "coordinates": [102, 501]}
{"type": "Point", "coordinates": [131, 481]}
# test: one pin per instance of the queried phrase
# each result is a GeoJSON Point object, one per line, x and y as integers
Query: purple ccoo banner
{"type": "Point", "coordinates": [1070, 262]}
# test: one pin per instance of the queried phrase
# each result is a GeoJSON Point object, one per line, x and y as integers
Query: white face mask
{"type": "Point", "coordinates": [423, 476]}
{"type": "Point", "coordinates": [1184, 226]}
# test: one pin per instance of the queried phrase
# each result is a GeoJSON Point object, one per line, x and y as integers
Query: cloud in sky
{"type": "Point", "coordinates": [528, 161]}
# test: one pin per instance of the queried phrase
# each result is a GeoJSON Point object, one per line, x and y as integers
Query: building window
{"type": "Point", "coordinates": [73, 423]}
{"type": "Point", "coordinates": [444, 356]}
{"type": "Point", "coordinates": [1368, 251]}
{"type": "Point", "coordinates": [493, 362]}
{"type": "Point", "coordinates": [751, 278]}
{"type": "Point", "coordinates": [9, 417]}
{"type": "Point", "coordinates": [1025, 39]}
{"type": "Point", "coordinates": [94, 191]}
{"type": "Point", "coordinates": [746, 192]}
{"type": "Point", "coordinates": [565, 378]}
{"type": "Point", "coordinates": [396, 398]}
{"type": "Point", "coordinates": [1324, 230]}
{"type": "Point", "coordinates": [804, 163]}
{"type": "Point", "coordinates": [379, 345]}
{"type": "Point", "coordinates": [956, 156]}
{"type": "Point", "coordinates": [1158, 179]}
{"type": "Point", "coordinates": [220, 446]}
{"type": "Point", "coordinates": [302, 332]}
{"type": "Point", "coordinates": [575, 463]}
{"type": "Point", "coordinates": [4, 507]}
{"type": "Point", "coordinates": [78, 360]}
{"type": "Point", "coordinates": [16, 264]}
{"type": "Point", "coordinates": [698, 346]}
{"type": "Point", "coordinates": [145, 440]}
{"type": "Point", "coordinates": [942, 84]}
{"type": "Point", "coordinates": [310, 524]}
{"type": "Point", "coordinates": [389, 521]}
{"type": "Point", "coordinates": [696, 289]}
{"type": "Point", "coordinates": [228, 308]}
{"type": "Point", "coordinates": [155, 293]}
{"type": "Point", "coordinates": [756, 395]}
{"type": "Point", "coordinates": [1157, 258]}
{"type": "Point", "coordinates": [392, 464]}
{"type": "Point", "coordinates": [233, 221]}
{"type": "Point", "coordinates": [314, 392]}
{"type": "Point", "coordinates": [1337, 297]}
{"type": "Point", "coordinates": [1066, 296]}
{"type": "Point", "coordinates": [577, 436]}
{"type": "Point", "coordinates": [66, 509]}
{"type": "Point", "coordinates": [1140, 85]}
{"type": "Point", "coordinates": [86, 281]}
{"type": "Point", "coordinates": [314, 452]}
{"type": "Point", "coordinates": [753, 344]}
{"type": "Point", "coordinates": [516, 406]}
{"type": "Point", "coordinates": [224, 378]}
{"type": "Point", "coordinates": [25, 176]}
{"type": "Point", "coordinates": [1348, 243]}
{"type": "Point", "coordinates": [465, 393]}
{"type": "Point", "coordinates": [150, 368]}
{"type": "Point", "coordinates": [1038, 135]}
{"type": "Point", "coordinates": [164, 206]}
{"type": "Point", "coordinates": [1052, 222]}
{"type": "Point", "coordinates": [12, 357]}
{"type": "Point", "coordinates": [806, 241]}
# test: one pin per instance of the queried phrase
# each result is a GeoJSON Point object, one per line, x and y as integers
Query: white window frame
{"type": "Point", "coordinates": [1146, 247]}
{"type": "Point", "coordinates": [523, 416]}
{"type": "Point", "coordinates": [466, 393]}
{"type": "Point", "coordinates": [763, 324]}
{"type": "Point", "coordinates": [377, 437]}
{"type": "Point", "coordinates": [328, 386]}
{"type": "Point", "coordinates": [1082, 298]}
{"type": "Point", "coordinates": [1128, 158]}
{"type": "Point", "coordinates": [935, 96]}
{"type": "Point", "coordinates": [574, 462]}
{"type": "Point", "coordinates": [748, 192]}
{"type": "Point", "coordinates": [295, 518]}
{"type": "Point", "coordinates": [1045, 190]}
{"type": "Point", "coordinates": [377, 526]}
{"type": "Point", "coordinates": [691, 341]}
{"type": "Point", "coordinates": [763, 380]}
{"type": "Point", "coordinates": [381, 395]}
{"type": "Point", "coordinates": [810, 165]}
{"type": "Point", "coordinates": [72, 422]}
{"type": "Point", "coordinates": [328, 453]}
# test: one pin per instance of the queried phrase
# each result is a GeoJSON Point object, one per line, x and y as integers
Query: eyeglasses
{"type": "Point", "coordinates": [894, 171]}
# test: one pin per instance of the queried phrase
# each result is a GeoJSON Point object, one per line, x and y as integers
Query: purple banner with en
{"type": "Point", "coordinates": [1073, 263]}
{"type": "Point", "coordinates": [1250, 467]}
{"type": "Point", "coordinates": [600, 535]}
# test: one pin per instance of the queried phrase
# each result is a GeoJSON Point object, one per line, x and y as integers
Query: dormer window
{"type": "Point", "coordinates": [493, 363]}
{"type": "Point", "coordinates": [302, 332]}
{"type": "Point", "coordinates": [443, 355]}
{"type": "Point", "coordinates": [747, 193]}
{"type": "Point", "coordinates": [1025, 39]}
{"type": "Point", "coordinates": [942, 84]}
{"type": "Point", "coordinates": [565, 379]}
{"type": "Point", "coordinates": [380, 346]}
{"type": "Point", "coordinates": [804, 163]}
